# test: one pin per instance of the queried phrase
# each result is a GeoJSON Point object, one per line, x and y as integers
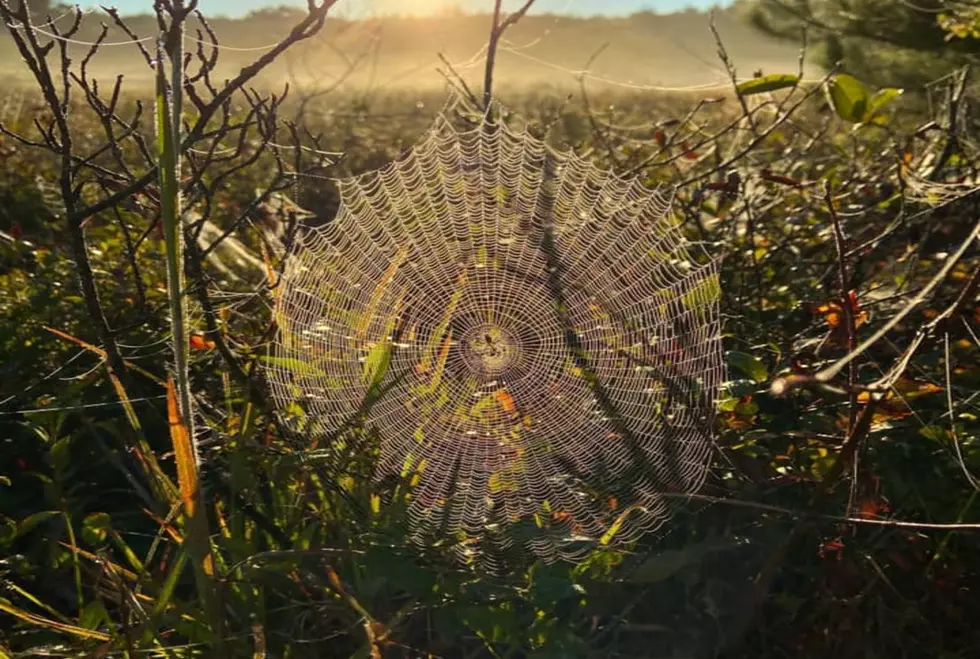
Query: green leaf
{"type": "Point", "coordinates": [747, 409]}
{"type": "Point", "coordinates": [738, 388]}
{"type": "Point", "coordinates": [60, 454]}
{"type": "Point", "coordinates": [878, 102]}
{"type": "Point", "coordinates": [769, 83]}
{"type": "Point", "coordinates": [166, 591]}
{"type": "Point", "coordinates": [93, 615]}
{"type": "Point", "coordinates": [31, 521]}
{"type": "Point", "coordinates": [376, 364]}
{"type": "Point", "coordinates": [728, 404]}
{"type": "Point", "coordinates": [95, 528]}
{"type": "Point", "coordinates": [297, 366]}
{"type": "Point", "coordinates": [935, 433]}
{"type": "Point", "coordinates": [749, 365]}
{"type": "Point", "coordinates": [849, 97]}
{"type": "Point", "coordinates": [491, 624]}
{"type": "Point", "coordinates": [499, 482]}
{"type": "Point", "coordinates": [822, 464]}
{"type": "Point", "coordinates": [8, 531]}
{"type": "Point", "coordinates": [703, 294]}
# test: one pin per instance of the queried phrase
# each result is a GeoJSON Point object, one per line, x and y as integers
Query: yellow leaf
{"type": "Point", "coordinates": [368, 314]}
{"type": "Point", "coordinates": [617, 525]}
{"type": "Point", "coordinates": [183, 451]}
{"type": "Point", "coordinates": [913, 388]}
{"type": "Point", "coordinates": [187, 476]}
{"type": "Point", "coordinates": [41, 621]}
{"type": "Point", "coordinates": [440, 331]}
{"type": "Point", "coordinates": [441, 363]}
{"type": "Point", "coordinates": [506, 400]}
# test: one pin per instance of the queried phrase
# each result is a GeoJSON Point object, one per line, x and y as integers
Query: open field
{"type": "Point", "coordinates": [675, 50]}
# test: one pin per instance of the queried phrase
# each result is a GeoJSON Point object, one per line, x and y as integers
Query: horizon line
{"type": "Point", "coordinates": [447, 12]}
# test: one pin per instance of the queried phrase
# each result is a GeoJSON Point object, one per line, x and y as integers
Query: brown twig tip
{"type": "Point", "coordinates": [781, 387]}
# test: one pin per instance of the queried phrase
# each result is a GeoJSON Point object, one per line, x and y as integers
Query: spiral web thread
{"type": "Point", "coordinates": [530, 337]}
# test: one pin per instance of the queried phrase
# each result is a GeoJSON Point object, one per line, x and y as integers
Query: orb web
{"type": "Point", "coordinates": [533, 340]}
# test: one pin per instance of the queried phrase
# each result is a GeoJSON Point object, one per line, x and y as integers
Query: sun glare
{"type": "Point", "coordinates": [420, 7]}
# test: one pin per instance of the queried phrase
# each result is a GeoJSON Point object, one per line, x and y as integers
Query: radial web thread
{"type": "Point", "coordinates": [532, 339]}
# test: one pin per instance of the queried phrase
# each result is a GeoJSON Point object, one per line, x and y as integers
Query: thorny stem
{"type": "Point", "coordinates": [169, 116]}
{"type": "Point", "coordinates": [197, 536]}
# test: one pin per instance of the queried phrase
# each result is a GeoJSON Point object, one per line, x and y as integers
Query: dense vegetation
{"type": "Point", "coordinates": [888, 42]}
{"type": "Point", "coordinates": [840, 518]}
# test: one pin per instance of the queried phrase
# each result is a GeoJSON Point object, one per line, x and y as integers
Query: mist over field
{"type": "Point", "coordinates": [402, 52]}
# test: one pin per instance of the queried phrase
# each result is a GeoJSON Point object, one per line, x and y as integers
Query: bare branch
{"type": "Point", "coordinates": [497, 30]}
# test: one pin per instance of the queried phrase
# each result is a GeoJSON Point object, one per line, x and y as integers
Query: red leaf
{"type": "Point", "coordinates": [768, 175]}
{"type": "Point", "coordinates": [872, 508]}
{"type": "Point", "coordinates": [834, 546]}
{"type": "Point", "coordinates": [198, 342]}
{"type": "Point", "coordinates": [688, 152]}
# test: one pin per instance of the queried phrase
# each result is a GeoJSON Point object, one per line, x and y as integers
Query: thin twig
{"type": "Point", "coordinates": [497, 30]}
{"type": "Point", "coordinates": [850, 322]}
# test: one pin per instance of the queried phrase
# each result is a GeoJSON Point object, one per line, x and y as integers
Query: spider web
{"type": "Point", "coordinates": [532, 339]}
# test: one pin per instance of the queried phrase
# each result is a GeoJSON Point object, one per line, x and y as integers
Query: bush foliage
{"type": "Point", "coordinates": [886, 42]}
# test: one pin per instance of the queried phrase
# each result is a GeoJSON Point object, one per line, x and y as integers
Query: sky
{"type": "Point", "coordinates": [367, 7]}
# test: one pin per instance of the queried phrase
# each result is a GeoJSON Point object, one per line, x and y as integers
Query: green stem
{"type": "Point", "coordinates": [168, 116]}
{"type": "Point", "coordinates": [168, 126]}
